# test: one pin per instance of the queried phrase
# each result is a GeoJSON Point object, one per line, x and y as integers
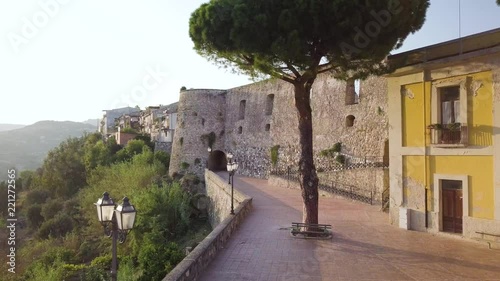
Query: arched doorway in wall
{"type": "Point", "coordinates": [217, 161]}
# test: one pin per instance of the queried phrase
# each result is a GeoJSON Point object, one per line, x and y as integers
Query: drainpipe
{"type": "Point", "coordinates": [426, 78]}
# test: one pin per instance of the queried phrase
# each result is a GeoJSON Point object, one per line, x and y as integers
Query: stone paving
{"type": "Point", "coordinates": [364, 246]}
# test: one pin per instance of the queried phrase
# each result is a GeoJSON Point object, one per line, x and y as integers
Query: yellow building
{"type": "Point", "coordinates": [444, 137]}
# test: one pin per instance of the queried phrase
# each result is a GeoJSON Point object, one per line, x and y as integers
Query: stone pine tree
{"type": "Point", "coordinates": [295, 40]}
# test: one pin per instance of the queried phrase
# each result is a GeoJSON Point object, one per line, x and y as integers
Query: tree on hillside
{"type": "Point", "coordinates": [63, 170]}
{"type": "Point", "coordinates": [295, 40]}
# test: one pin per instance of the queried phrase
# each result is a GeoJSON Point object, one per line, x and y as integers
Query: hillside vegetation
{"type": "Point", "coordinates": [25, 148]}
{"type": "Point", "coordinates": [59, 236]}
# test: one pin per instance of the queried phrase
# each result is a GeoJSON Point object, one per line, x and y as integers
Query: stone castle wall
{"type": "Point", "coordinates": [366, 137]}
{"type": "Point", "coordinates": [199, 113]}
{"type": "Point", "coordinates": [251, 135]}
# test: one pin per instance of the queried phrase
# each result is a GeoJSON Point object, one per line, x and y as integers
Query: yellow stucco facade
{"type": "Point", "coordinates": [444, 134]}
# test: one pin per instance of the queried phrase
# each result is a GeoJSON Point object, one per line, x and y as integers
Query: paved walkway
{"type": "Point", "coordinates": [364, 246]}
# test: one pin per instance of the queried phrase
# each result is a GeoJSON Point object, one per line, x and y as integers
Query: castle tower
{"type": "Point", "coordinates": [200, 124]}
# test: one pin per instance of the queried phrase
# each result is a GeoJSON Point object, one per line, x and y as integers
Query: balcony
{"type": "Point", "coordinates": [449, 135]}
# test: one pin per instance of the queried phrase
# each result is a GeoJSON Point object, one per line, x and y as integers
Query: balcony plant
{"type": "Point", "coordinates": [446, 133]}
{"type": "Point", "coordinates": [449, 127]}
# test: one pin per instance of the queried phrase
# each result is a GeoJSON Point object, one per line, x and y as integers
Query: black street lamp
{"type": "Point", "coordinates": [231, 168]}
{"type": "Point", "coordinates": [209, 149]}
{"type": "Point", "coordinates": [117, 223]}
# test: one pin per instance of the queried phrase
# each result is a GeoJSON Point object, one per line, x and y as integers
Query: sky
{"type": "Point", "coordinates": [70, 59]}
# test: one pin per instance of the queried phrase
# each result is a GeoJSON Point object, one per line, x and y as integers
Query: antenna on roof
{"type": "Point", "coordinates": [460, 26]}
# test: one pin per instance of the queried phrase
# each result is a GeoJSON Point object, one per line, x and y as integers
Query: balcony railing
{"type": "Point", "coordinates": [449, 135]}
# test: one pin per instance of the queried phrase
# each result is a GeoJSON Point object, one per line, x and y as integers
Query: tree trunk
{"type": "Point", "coordinates": [308, 176]}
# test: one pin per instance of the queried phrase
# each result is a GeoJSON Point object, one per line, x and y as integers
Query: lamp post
{"type": "Point", "coordinates": [209, 149]}
{"type": "Point", "coordinates": [117, 223]}
{"type": "Point", "coordinates": [231, 168]}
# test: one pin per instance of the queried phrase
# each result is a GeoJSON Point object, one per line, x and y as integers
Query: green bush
{"type": "Point", "coordinates": [50, 260]}
{"type": "Point", "coordinates": [34, 216]}
{"type": "Point", "coordinates": [337, 147]}
{"type": "Point", "coordinates": [40, 272]}
{"type": "Point", "coordinates": [184, 165]}
{"type": "Point", "coordinates": [340, 158]}
{"type": "Point", "coordinates": [51, 208]}
{"type": "Point", "coordinates": [36, 196]}
{"type": "Point", "coordinates": [158, 257]}
{"type": "Point", "coordinates": [56, 227]}
{"type": "Point", "coordinates": [164, 211]}
{"type": "Point", "coordinates": [102, 262]}
{"type": "Point", "coordinates": [274, 154]}
{"type": "Point", "coordinates": [128, 130]}
{"type": "Point", "coordinates": [333, 151]}
{"type": "Point", "coordinates": [163, 158]}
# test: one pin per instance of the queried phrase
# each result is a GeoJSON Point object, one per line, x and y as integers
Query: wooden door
{"type": "Point", "coordinates": [452, 207]}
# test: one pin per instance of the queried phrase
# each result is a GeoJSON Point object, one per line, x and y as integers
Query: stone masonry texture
{"type": "Point", "coordinates": [250, 137]}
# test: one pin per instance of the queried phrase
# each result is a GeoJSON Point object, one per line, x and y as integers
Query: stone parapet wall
{"type": "Point", "coordinates": [219, 192]}
{"type": "Point", "coordinates": [367, 182]}
{"type": "Point", "coordinates": [163, 146]}
{"type": "Point", "coordinates": [193, 265]}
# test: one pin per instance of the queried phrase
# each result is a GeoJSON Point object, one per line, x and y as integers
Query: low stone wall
{"type": "Point", "coordinates": [368, 181]}
{"type": "Point", "coordinates": [194, 264]}
{"type": "Point", "coordinates": [163, 146]}
{"type": "Point", "coordinates": [283, 183]}
{"type": "Point", "coordinates": [219, 192]}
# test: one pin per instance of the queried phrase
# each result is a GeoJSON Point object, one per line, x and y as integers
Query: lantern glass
{"type": "Point", "coordinates": [235, 166]}
{"type": "Point", "coordinates": [105, 208]}
{"type": "Point", "coordinates": [125, 215]}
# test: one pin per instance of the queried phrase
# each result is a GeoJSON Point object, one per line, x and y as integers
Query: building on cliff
{"type": "Point", "coordinates": [444, 120]}
{"type": "Point", "coordinates": [108, 125]}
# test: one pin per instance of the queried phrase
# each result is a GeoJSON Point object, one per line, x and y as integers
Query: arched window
{"type": "Point", "coordinates": [243, 104]}
{"type": "Point", "coordinates": [240, 130]}
{"type": "Point", "coordinates": [349, 120]}
{"type": "Point", "coordinates": [268, 127]}
{"type": "Point", "coordinates": [269, 104]}
{"type": "Point", "coordinates": [353, 88]}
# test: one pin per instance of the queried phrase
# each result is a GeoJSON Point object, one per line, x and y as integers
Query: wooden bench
{"type": "Point", "coordinates": [309, 229]}
{"type": "Point", "coordinates": [490, 242]}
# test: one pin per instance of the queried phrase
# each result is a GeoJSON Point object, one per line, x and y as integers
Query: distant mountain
{"type": "Point", "coordinates": [8, 127]}
{"type": "Point", "coordinates": [92, 122]}
{"type": "Point", "coordinates": [27, 147]}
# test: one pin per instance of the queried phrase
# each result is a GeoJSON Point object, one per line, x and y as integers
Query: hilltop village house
{"type": "Point", "coordinates": [158, 122]}
{"type": "Point", "coordinates": [444, 131]}
{"type": "Point", "coordinates": [108, 124]}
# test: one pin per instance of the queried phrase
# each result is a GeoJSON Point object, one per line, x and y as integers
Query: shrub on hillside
{"type": "Point", "coordinates": [56, 227]}
{"type": "Point", "coordinates": [158, 257]}
{"type": "Point", "coordinates": [51, 208]}
{"type": "Point", "coordinates": [34, 215]}
{"type": "Point", "coordinates": [37, 196]}
{"type": "Point", "coordinates": [163, 158]}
